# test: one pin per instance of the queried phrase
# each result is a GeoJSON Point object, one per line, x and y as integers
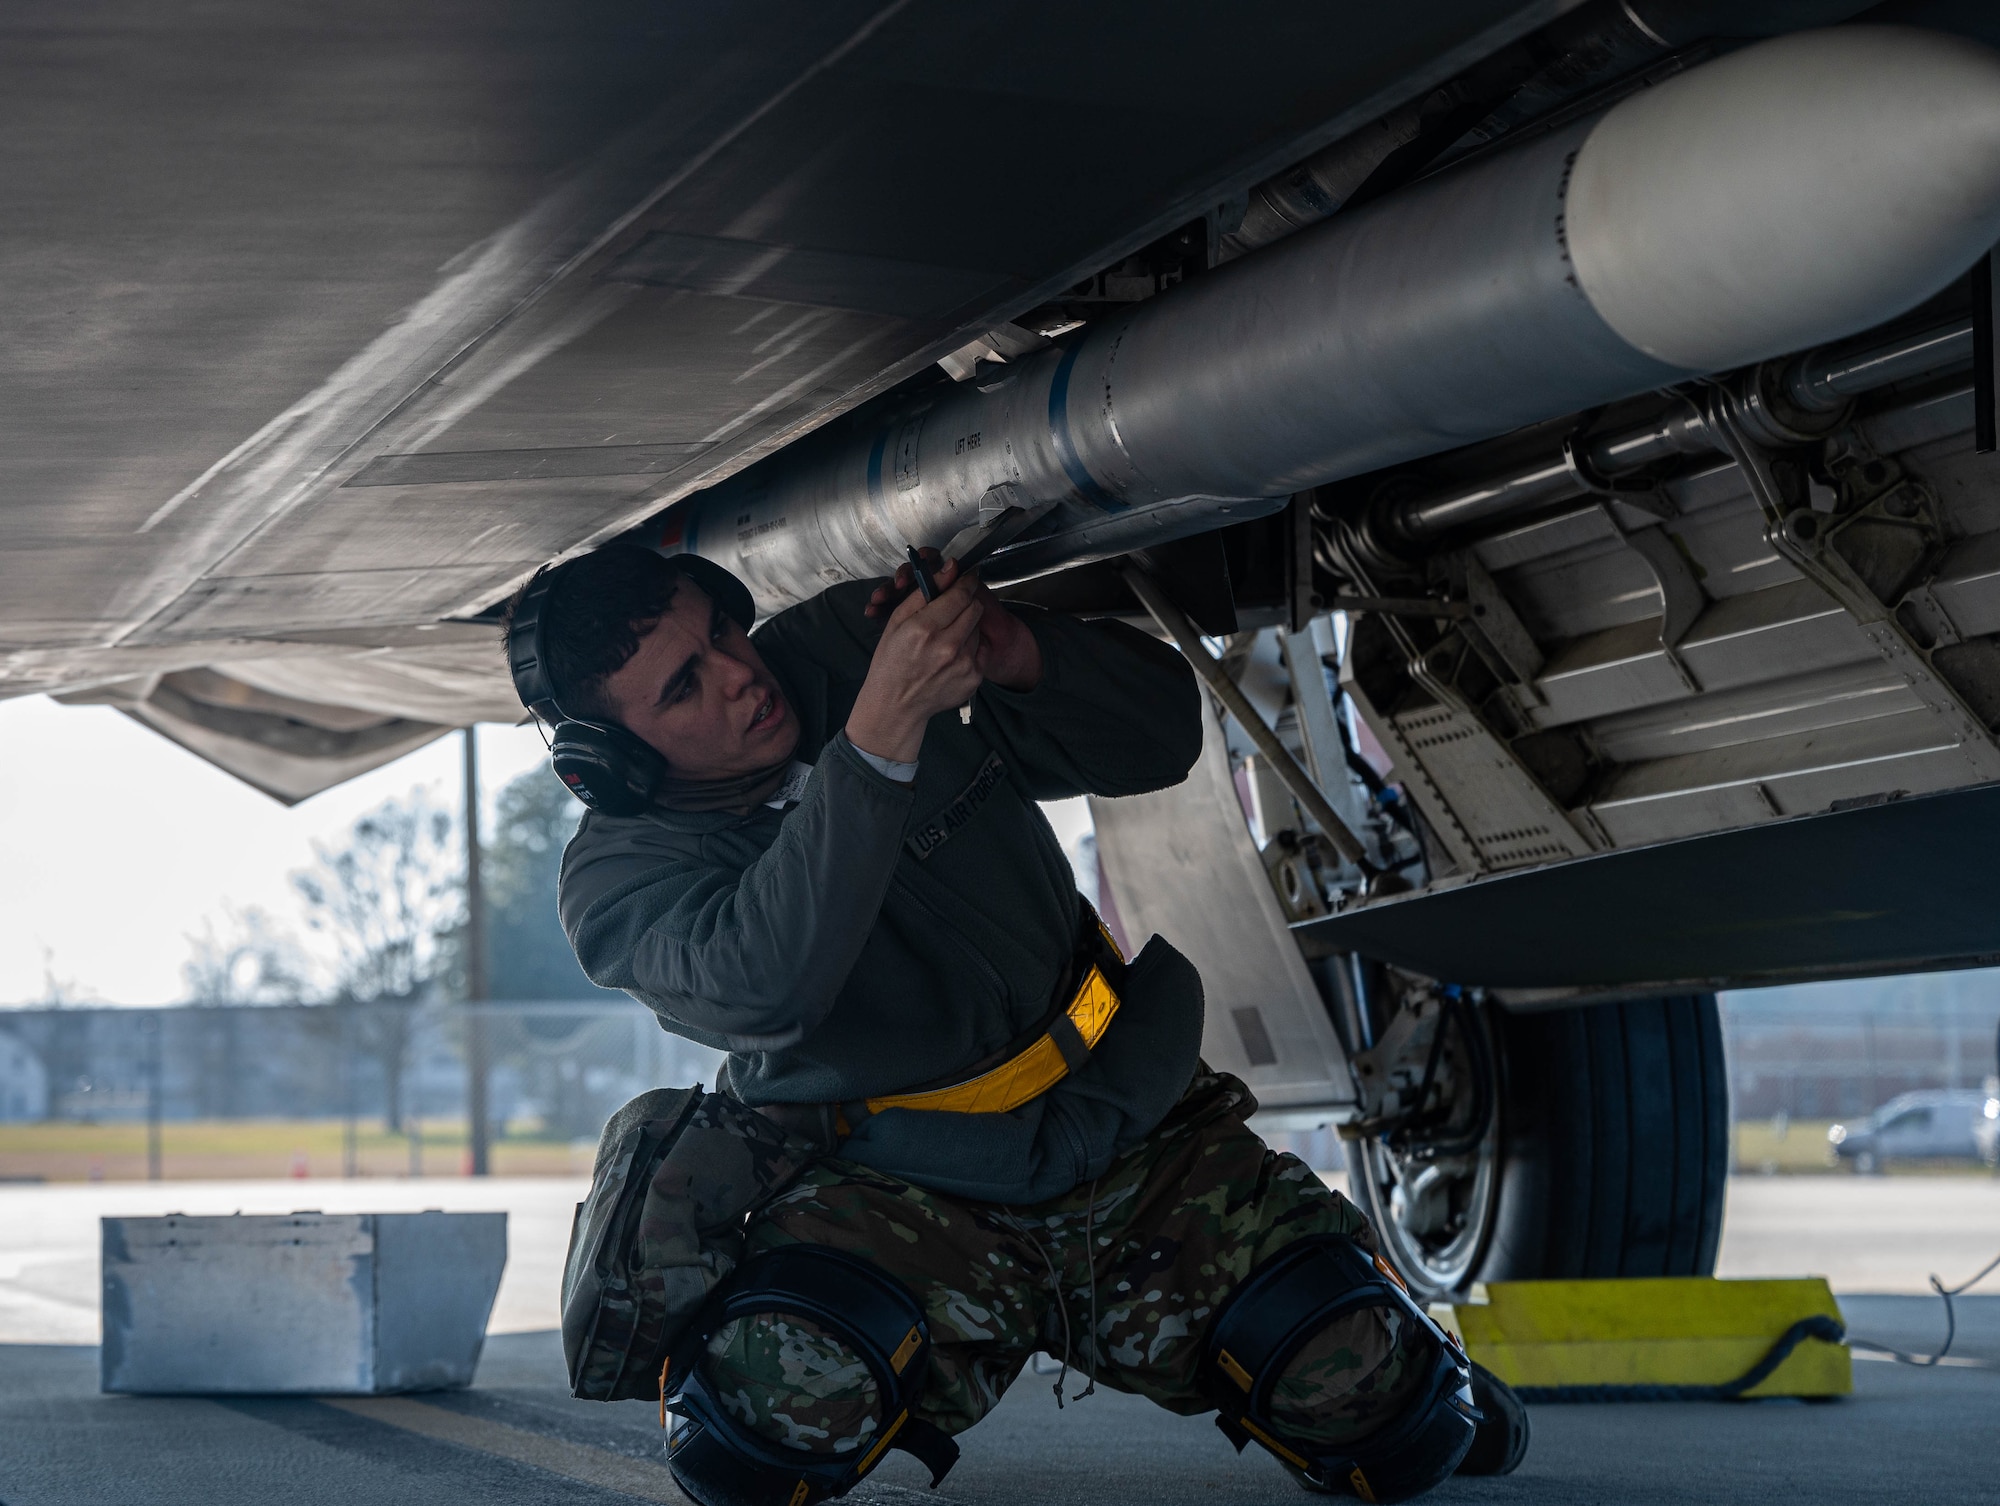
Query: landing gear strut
{"type": "Point", "coordinates": [1583, 1142]}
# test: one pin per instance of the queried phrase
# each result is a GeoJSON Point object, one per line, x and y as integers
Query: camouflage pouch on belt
{"type": "Point", "coordinates": [678, 1172]}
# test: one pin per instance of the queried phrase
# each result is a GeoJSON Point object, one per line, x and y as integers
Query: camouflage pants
{"type": "Point", "coordinates": [1118, 1277]}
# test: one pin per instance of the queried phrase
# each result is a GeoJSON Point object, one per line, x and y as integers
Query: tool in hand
{"type": "Point", "coordinates": [926, 583]}
{"type": "Point", "coordinates": [927, 587]}
{"type": "Point", "coordinates": [970, 547]}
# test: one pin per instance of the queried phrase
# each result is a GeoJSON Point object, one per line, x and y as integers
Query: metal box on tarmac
{"type": "Point", "coordinates": [325, 1304]}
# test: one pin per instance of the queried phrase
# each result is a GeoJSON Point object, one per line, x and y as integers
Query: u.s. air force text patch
{"type": "Point", "coordinates": [938, 830]}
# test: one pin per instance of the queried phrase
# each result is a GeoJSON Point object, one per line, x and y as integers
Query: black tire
{"type": "Point", "coordinates": [1614, 1141]}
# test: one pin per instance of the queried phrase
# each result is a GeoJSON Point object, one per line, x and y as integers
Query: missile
{"type": "Point", "coordinates": [1791, 193]}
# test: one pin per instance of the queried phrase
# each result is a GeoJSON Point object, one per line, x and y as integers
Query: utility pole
{"type": "Point", "coordinates": [350, 1087]}
{"type": "Point", "coordinates": [1874, 1076]}
{"type": "Point", "coordinates": [155, 1021]}
{"type": "Point", "coordinates": [478, 1124]}
{"type": "Point", "coordinates": [413, 1096]}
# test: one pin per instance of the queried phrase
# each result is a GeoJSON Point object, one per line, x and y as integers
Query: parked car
{"type": "Point", "coordinates": [1931, 1124]}
{"type": "Point", "coordinates": [1986, 1129]}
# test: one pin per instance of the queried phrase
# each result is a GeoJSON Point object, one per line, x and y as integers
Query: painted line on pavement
{"type": "Point", "coordinates": [575, 1461]}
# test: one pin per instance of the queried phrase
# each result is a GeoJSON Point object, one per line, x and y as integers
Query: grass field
{"type": "Point", "coordinates": [1759, 1147]}
{"type": "Point", "coordinates": [1802, 1148]}
{"type": "Point", "coordinates": [222, 1149]}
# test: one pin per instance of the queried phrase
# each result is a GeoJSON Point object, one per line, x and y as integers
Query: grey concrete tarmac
{"type": "Point", "coordinates": [515, 1439]}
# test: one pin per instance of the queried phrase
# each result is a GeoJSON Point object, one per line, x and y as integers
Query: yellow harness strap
{"type": "Point", "coordinates": [1033, 1072]}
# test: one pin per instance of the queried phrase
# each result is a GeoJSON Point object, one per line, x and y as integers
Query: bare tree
{"type": "Point", "coordinates": [58, 990]}
{"type": "Point", "coordinates": [248, 960]}
{"type": "Point", "coordinates": [389, 901]}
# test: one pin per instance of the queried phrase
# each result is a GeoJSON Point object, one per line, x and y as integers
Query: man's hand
{"type": "Point", "coordinates": [926, 662]}
{"type": "Point", "coordinates": [886, 598]}
{"type": "Point", "coordinates": [1009, 655]}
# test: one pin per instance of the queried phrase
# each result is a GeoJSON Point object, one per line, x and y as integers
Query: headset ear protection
{"type": "Point", "coordinates": [605, 766]}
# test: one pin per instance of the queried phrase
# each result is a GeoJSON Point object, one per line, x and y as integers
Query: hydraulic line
{"type": "Point", "coordinates": [1819, 382]}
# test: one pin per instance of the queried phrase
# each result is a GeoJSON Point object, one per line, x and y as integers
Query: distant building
{"type": "Point", "coordinates": [565, 1063]}
{"type": "Point", "coordinates": [1836, 1050]}
{"type": "Point", "coordinates": [24, 1081]}
{"type": "Point", "coordinates": [1811, 1051]}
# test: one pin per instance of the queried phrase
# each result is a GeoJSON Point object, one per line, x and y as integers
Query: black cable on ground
{"type": "Point", "coordinates": [1926, 1361]}
{"type": "Point", "coordinates": [1819, 1326]}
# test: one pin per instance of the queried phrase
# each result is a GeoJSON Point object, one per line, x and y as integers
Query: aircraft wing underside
{"type": "Point", "coordinates": [324, 330]}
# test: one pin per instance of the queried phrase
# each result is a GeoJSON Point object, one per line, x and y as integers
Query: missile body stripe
{"type": "Point", "coordinates": [1065, 446]}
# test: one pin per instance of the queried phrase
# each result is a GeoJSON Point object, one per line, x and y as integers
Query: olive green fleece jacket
{"type": "Point", "coordinates": [880, 936]}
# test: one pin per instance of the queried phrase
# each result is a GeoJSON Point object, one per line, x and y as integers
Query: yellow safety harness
{"type": "Point", "coordinates": [1062, 1047]}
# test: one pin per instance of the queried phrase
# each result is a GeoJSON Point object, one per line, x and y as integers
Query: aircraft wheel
{"type": "Point", "coordinates": [1606, 1156]}
{"type": "Point", "coordinates": [1616, 1132]}
{"type": "Point", "coordinates": [1431, 1195]}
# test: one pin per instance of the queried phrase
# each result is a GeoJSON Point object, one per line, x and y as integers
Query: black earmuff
{"type": "Point", "coordinates": [601, 763]}
{"type": "Point", "coordinates": [605, 767]}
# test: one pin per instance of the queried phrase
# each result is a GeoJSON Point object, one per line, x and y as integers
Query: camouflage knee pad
{"type": "Point", "coordinates": [791, 1382]}
{"type": "Point", "coordinates": [1121, 1274]}
{"type": "Point", "coordinates": [1350, 1377]}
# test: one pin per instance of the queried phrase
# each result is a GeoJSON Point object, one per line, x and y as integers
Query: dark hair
{"type": "Point", "coordinates": [599, 606]}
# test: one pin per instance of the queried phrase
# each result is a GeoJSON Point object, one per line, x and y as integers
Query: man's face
{"type": "Point", "coordinates": [698, 691]}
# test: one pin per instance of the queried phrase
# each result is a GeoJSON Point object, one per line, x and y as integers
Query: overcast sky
{"type": "Point", "coordinates": [118, 845]}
